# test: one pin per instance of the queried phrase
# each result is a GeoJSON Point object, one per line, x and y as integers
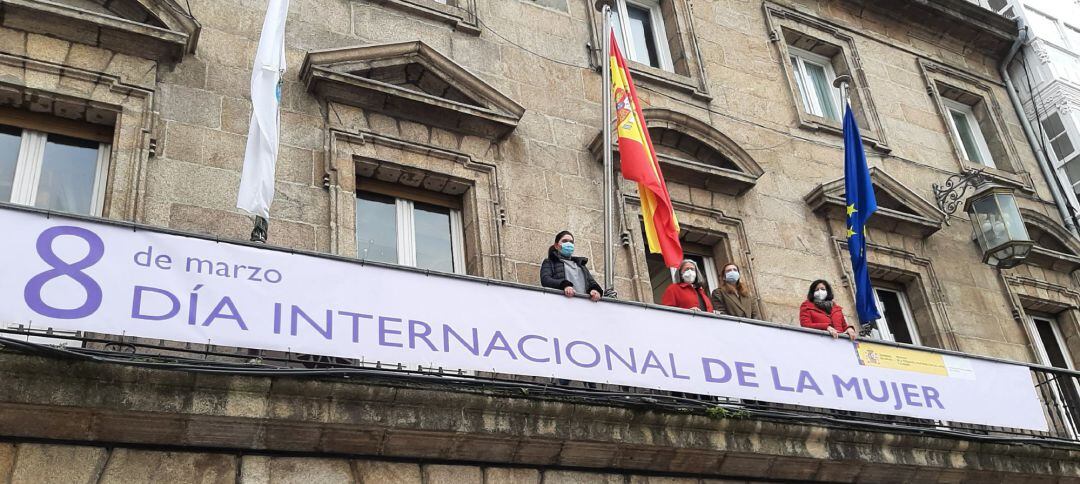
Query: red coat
{"type": "Point", "coordinates": [681, 295]}
{"type": "Point", "coordinates": [811, 316]}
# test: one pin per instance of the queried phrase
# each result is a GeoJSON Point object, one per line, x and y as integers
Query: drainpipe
{"type": "Point", "coordinates": [1047, 171]}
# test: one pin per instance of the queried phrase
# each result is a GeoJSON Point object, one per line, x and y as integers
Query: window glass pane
{"type": "Point", "coordinates": [1044, 27]}
{"type": "Point", "coordinates": [641, 34]}
{"type": "Point", "coordinates": [1017, 230]}
{"type": "Point", "coordinates": [616, 26]}
{"type": "Point", "coordinates": [9, 155]}
{"type": "Point", "coordinates": [822, 90]}
{"type": "Point", "coordinates": [991, 228]}
{"type": "Point", "coordinates": [68, 169]}
{"type": "Point", "coordinates": [802, 87]}
{"type": "Point", "coordinates": [894, 316]}
{"type": "Point", "coordinates": [1053, 125]}
{"type": "Point", "coordinates": [434, 249]}
{"type": "Point", "coordinates": [967, 138]}
{"type": "Point", "coordinates": [1072, 170]}
{"type": "Point", "coordinates": [1050, 343]}
{"type": "Point", "coordinates": [1063, 146]}
{"type": "Point", "coordinates": [997, 5]}
{"type": "Point", "coordinates": [376, 228]}
{"type": "Point", "coordinates": [1074, 37]}
{"type": "Point", "coordinates": [1059, 138]}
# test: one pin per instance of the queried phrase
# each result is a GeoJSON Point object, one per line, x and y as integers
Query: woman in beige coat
{"type": "Point", "coordinates": [733, 297]}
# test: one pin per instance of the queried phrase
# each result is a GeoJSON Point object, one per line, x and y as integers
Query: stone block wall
{"type": "Point", "coordinates": [543, 177]}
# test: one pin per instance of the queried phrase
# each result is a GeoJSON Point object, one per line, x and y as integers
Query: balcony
{"type": "Point", "coordinates": [130, 387]}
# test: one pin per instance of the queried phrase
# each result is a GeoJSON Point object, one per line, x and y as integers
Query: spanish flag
{"type": "Point", "coordinates": [639, 164]}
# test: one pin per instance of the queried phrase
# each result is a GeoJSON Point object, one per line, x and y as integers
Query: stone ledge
{"type": "Point", "coordinates": [105, 403]}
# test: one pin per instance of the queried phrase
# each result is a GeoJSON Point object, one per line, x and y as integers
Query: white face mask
{"type": "Point", "coordinates": [732, 276]}
{"type": "Point", "coordinates": [689, 276]}
{"type": "Point", "coordinates": [820, 294]}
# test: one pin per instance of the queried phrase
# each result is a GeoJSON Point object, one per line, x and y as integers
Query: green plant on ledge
{"type": "Point", "coordinates": [719, 412]}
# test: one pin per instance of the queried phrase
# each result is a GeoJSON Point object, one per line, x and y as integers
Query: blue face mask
{"type": "Point", "coordinates": [566, 249]}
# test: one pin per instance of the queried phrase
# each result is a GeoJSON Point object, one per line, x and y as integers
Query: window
{"type": "Point", "coordinates": [411, 233]}
{"type": "Point", "coordinates": [639, 29]}
{"type": "Point", "coordinates": [967, 133]}
{"type": "Point", "coordinates": [1065, 151]}
{"type": "Point", "coordinates": [814, 76]}
{"type": "Point", "coordinates": [1050, 350]}
{"type": "Point", "coordinates": [896, 323]}
{"type": "Point", "coordinates": [1044, 27]}
{"type": "Point", "coordinates": [661, 276]}
{"type": "Point", "coordinates": [52, 171]}
{"type": "Point", "coordinates": [1059, 137]}
{"type": "Point", "coordinates": [1073, 34]}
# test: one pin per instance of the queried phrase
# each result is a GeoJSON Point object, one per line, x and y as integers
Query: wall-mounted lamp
{"type": "Point", "coordinates": [994, 215]}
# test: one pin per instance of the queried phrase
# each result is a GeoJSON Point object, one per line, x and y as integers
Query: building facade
{"type": "Point", "coordinates": [460, 136]}
{"type": "Point", "coordinates": [1048, 80]}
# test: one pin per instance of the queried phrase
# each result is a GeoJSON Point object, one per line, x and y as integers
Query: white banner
{"type": "Point", "coordinates": [77, 275]}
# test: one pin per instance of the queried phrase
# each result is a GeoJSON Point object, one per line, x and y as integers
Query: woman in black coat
{"type": "Point", "coordinates": [561, 270]}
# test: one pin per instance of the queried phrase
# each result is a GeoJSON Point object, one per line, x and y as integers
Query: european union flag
{"type": "Point", "coordinates": [861, 203]}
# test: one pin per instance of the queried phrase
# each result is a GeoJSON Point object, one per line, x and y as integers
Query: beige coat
{"type": "Point", "coordinates": [734, 305]}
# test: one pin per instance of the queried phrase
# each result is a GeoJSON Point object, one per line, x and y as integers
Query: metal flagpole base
{"type": "Point", "coordinates": [258, 233]}
{"type": "Point", "coordinates": [601, 3]}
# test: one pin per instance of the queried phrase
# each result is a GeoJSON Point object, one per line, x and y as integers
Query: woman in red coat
{"type": "Point", "coordinates": [686, 292]}
{"type": "Point", "coordinates": [819, 311]}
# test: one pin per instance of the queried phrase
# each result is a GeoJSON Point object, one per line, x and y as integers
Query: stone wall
{"type": "Point", "coordinates": [155, 425]}
{"type": "Point", "coordinates": [180, 167]}
{"type": "Point", "coordinates": [23, 463]}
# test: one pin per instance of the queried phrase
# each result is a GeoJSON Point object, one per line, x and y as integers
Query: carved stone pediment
{"type": "Point", "coordinates": [153, 29]}
{"type": "Point", "coordinates": [900, 209]}
{"type": "Point", "coordinates": [694, 153]}
{"type": "Point", "coordinates": [411, 80]}
{"type": "Point", "coordinates": [1055, 248]}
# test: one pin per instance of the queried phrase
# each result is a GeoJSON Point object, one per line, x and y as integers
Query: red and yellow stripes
{"type": "Point", "coordinates": [639, 163]}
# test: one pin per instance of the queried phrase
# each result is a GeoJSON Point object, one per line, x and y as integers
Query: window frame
{"type": "Point", "coordinates": [812, 104]}
{"type": "Point", "coordinates": [977, 135]}
{"type": "Point", "coordinates": [884, 332]}
{"type": "Point", "coordinates": [26, 179]}
{"type": "Point", "coordinates": [1069, 130]}
{"type": "Point", "coordinates": [405, 243]}
{"type": "Point", "coordinates": [663, 50]}
{"type": "Point", "coordinates": [1044, 359]}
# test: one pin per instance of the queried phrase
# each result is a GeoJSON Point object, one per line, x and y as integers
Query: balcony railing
{"type": "Point", "coordinates": [1058, 389]}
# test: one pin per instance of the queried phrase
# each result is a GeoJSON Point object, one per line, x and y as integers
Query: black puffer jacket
{"type": "Point", "coordinates": [553, 272]}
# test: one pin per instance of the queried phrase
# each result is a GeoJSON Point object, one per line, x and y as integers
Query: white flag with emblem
{"type": "Point", "coordinates": [257, 181]}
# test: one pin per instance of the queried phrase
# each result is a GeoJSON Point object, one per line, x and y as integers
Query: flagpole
{"type": "Point", "coordinates": [842, 82]}
{"type": "Point", "coordinates": [605, 63]}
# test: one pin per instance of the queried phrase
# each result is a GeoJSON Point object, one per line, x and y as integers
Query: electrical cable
{"type": "Point", "coordinates": [637, 399]}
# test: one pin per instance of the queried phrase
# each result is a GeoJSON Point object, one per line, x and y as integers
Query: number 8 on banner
{"type": "Point", "coordinates": [61, 268]}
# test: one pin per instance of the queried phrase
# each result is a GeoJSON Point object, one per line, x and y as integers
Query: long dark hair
{"type": "Point", "coordinates": [826, 304]}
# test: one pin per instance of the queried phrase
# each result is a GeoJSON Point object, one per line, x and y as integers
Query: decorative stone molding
{"type": "Point", "coordinates": [431, 421]}
{"type": "Point", "coordinates": [460, 15]}
{"type": "Point", "coordinates": [98, 98]}
{"type": "Point", "coordinates": [162, 33]}
{"type": "Point", "coordinates": [784, 22]}
{"type": "Point", "coordinates": [900, 209]}
{"type": "Point", "coordinates": [410, 80]}
{"type": "Point", "coordinates": [694, 153]}
{"type": "Point", "coordinates": [1055, 248]}
{"type": "Point", "coordinates": [355, 156]}
{"type": "Point", "coordinates": [700, 225]}
{"type": "Point", "coordinates": [688, 81]}
{"type": "Point", "coordinates": [921, 286]}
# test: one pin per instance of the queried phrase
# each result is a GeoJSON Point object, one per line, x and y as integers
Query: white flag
{"type": "Point", "coordinates": [257, 181]}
